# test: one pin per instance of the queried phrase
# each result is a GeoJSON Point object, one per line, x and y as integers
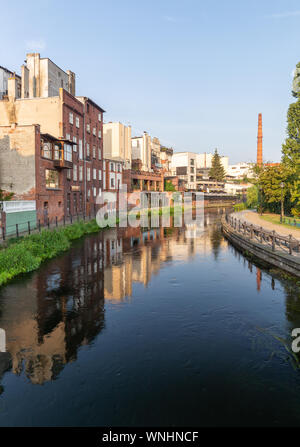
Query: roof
{"type": "Point", "coordinates": [85, 98]}
{"type": "Point", "coordinates": [9, 71]}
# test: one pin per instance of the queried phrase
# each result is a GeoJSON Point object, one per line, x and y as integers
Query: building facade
{"type": "Point", "coordinates": [117, 142]}
{"type": "Point", "coordinates": [64, 174]}
{"type": "Point", "coordinates": [141, 150]}
{"type": "Point", "coordinates": [5, 74]}
{"type": "Point", "coordinates": [183, 165]}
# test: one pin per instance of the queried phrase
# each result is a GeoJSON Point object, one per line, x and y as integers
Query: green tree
{"type": "Point", "coordinates": [169, 186]}
{"type": "Point", "coordinates": [252, 197]}
{"type": "Point", "coordinates": [217, 171]}
{"type": "Point", "coordinates": [291, 151]}
{"type": "Point", "coordinates": [270, 179]}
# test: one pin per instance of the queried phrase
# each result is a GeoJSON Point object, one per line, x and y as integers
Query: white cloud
{"type": "Point", "coordinates": [283, 15]}
{"type": "Point", "coordinates": [35, 45]}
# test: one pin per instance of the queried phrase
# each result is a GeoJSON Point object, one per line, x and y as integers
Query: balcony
{"type": "Point", "coordinates": [62, 164]}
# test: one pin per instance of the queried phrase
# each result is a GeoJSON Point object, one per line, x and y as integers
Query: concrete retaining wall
{"type": "Point", "coordinates": [286, 262]}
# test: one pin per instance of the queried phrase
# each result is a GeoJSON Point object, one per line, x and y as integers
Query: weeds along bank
{"type": "Point", "coordinates": [26, 254]}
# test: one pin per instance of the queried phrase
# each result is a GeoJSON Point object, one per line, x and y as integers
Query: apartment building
{"type": "Point", "coordinates": [117, 142]}
{"type": "Point", "coordinates": [183, 165]}
{"type": "Point", "coordinates": [141, 150]}
{"type": "Point", "coordinates": [65, 155]}
{"type": "Point", "coordinates": [155, 153]}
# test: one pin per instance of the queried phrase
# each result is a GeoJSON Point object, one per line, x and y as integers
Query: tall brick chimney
{"type": "Point", "coordinates": [259, 141]}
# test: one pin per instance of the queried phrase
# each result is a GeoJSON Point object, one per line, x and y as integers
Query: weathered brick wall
{"type": "Point", "coordinates": [17, 160]}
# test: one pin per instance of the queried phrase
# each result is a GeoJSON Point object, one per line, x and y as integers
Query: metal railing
{"type": "Point", "coordinates": [29, 227]}
{"type": "Point", "coordinates": [287, 244]}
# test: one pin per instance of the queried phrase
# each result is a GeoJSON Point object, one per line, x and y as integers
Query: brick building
{"type": "Point", "coordinates": [51, 151]}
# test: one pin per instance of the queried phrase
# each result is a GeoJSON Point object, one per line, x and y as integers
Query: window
{"type": "Point", "coordinates": [99, 133]}
{"type": "Point", "coordinates": [47, 151]}
{"type": "Point", "coordinates": [99, 154]}
{"type": "Point", "coordinates": [75, 145]}
{"type": "Point", "coordinates": [111, 166]}
{"type": "Point", "coordinates": [88, 193]}
{"type": "Point", "coordinates": [112, 182]}
{"type": "Point", "coordinates": [88, 174]}
{"type": "Point", "coordinates": [99, 174]}
{"type": "Point", "coordinates": [99, 117]}
{"type": "Point", "coordinates": [68, 136]}
{"type": "Point", "coordinates": [104, 166]}
{"type": "Point", "coordinates": [87, 149]}
{"type": "Point", "coordinates": [94, 151]}
{"type": "Point", "coordinates": [71, 118]}
{"type": "Point", "coordinates": [69, 172]}
{"type": "Point", "coordinates": [75, 173]}
{"type": "Point", "coordinates": [77, 122]}
{"type": "Point", "coordinates": [68, 152]}
{"type": "Point", "coordinates": [119, 168]}
{"type": "Point", "coordinates": [192, 178]}
{"type": "Point", "coordinates": [94, 174]}
{"type": "Point", "coordinates": [51, 178]}
{"type": "Point", "coordinates": [100, 191]}
{"type": "Point", "coordinates": [94, 191]}
{"type": "Point", "coordinates": [94, 131]}
{"type": "Point", "coordinates": [80, 150]}
{"type": "Point", "coordinates": [192, 170]}
{"type": "Point", "coordinates": [80, 173]}
{"type": "Point", "coordinates": [192, 161]}
{"type": "Point", "coordinates": [88, 128]}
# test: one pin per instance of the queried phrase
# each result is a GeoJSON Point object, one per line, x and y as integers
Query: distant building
{"type": "Point", "coordinates": [117, 142]}
{"type": "Point", "coordinates": [155, 153]}
{"type": "Point", "coordinates": [183, 165]}
{"type": "Point", "coordinates": [5, 74]}
{"type": "Point", "coordinates": [240, 170]}
{"type": "Point", "coordinates": [166, 154]}
{"type": "Point", "coordinates": [141, 150]}
{"type": "Point", "coordinates": [42, 78]}
{"type": "Point", "coordinates": [204, 161]}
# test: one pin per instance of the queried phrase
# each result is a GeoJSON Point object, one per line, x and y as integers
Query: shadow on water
{"type": "Point", "coordinates": [136, 314]}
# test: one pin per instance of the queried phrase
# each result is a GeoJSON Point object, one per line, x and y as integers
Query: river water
{"type": "Point", "coordinates": [140, 327]}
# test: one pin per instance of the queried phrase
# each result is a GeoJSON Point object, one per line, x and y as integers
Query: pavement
{"type": "Point", "coordinates": [254, 218]}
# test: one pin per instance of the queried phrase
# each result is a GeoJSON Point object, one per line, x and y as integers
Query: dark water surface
{"type": "Point", "coordinates": [152, 327]}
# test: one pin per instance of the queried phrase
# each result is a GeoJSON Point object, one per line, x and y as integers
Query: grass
{"type": "Point", "coordinates": [26, 254]}
{"type": "Point", "coordinates": [275, 219]}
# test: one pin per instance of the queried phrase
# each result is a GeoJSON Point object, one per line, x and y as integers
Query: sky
{"type": "Point", "coordinates": [193, 73]}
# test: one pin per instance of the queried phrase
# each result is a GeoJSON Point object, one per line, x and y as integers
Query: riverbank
{"type": "Point", "coordinates": [27, 253]}
{"type": "Point", "coordinates": [255, 239]}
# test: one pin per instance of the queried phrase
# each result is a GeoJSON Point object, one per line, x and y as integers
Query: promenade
{"type": "Point", "coordinates": [256, 219]}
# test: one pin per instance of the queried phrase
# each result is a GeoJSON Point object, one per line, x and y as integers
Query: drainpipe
{"type": "Point", "coordinates": [84, 158]}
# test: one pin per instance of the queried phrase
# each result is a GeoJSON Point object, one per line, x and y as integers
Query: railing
{"type": "Point", "coordinates": [287, 244]}
{"type": "Point", "coordinates": [29, 227]}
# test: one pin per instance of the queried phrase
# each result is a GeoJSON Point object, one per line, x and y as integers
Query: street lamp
{"type": "Point", "coordinates": [260, 200]}
{"type": "Point", "coordinates": [282, 210]}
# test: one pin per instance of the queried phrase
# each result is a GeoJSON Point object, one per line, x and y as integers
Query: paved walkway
{"type": "Point", "coordinates": [254, 218]}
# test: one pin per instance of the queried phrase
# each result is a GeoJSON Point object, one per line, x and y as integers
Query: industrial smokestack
{"type": "Point", "coordinates": [259, 141]}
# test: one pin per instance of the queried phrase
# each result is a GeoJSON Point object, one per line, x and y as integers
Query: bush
{"type": "Point", "coordinates": [26, 254]}
{"type": "Point", "coordinates": [240, 207]}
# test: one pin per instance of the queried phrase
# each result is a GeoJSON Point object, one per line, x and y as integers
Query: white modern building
{"type": "Point", "coordinates": [240, 170]}
{"type": "Point", "coordinates": [183, 165]}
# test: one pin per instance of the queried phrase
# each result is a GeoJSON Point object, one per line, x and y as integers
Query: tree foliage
{"type": "Point", "coordinates": [217, 171]}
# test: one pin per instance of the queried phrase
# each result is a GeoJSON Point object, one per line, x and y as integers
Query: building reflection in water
{"type": "Point", "coordinates": [48, 316]}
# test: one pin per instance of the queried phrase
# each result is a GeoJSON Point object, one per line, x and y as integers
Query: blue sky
{"type": "Point", "coordinates": [193, 73]}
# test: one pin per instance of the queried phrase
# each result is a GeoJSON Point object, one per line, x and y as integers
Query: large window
{"type": "Point", "coordinates": [68, 152]}
{"type": "Point", "coordinates": [51, 178]}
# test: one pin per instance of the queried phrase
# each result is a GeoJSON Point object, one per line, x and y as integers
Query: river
{"type": "Point", "coordinates": [153, 327]}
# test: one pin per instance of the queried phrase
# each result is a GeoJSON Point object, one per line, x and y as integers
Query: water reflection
{"type": "Point", "coordinates": [50, 315]}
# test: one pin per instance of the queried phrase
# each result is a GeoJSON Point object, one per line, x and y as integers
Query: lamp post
{"type": "Point", "coordinates": [282, 210]}
{"type": "Point", "coordinates": [260, 200]}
